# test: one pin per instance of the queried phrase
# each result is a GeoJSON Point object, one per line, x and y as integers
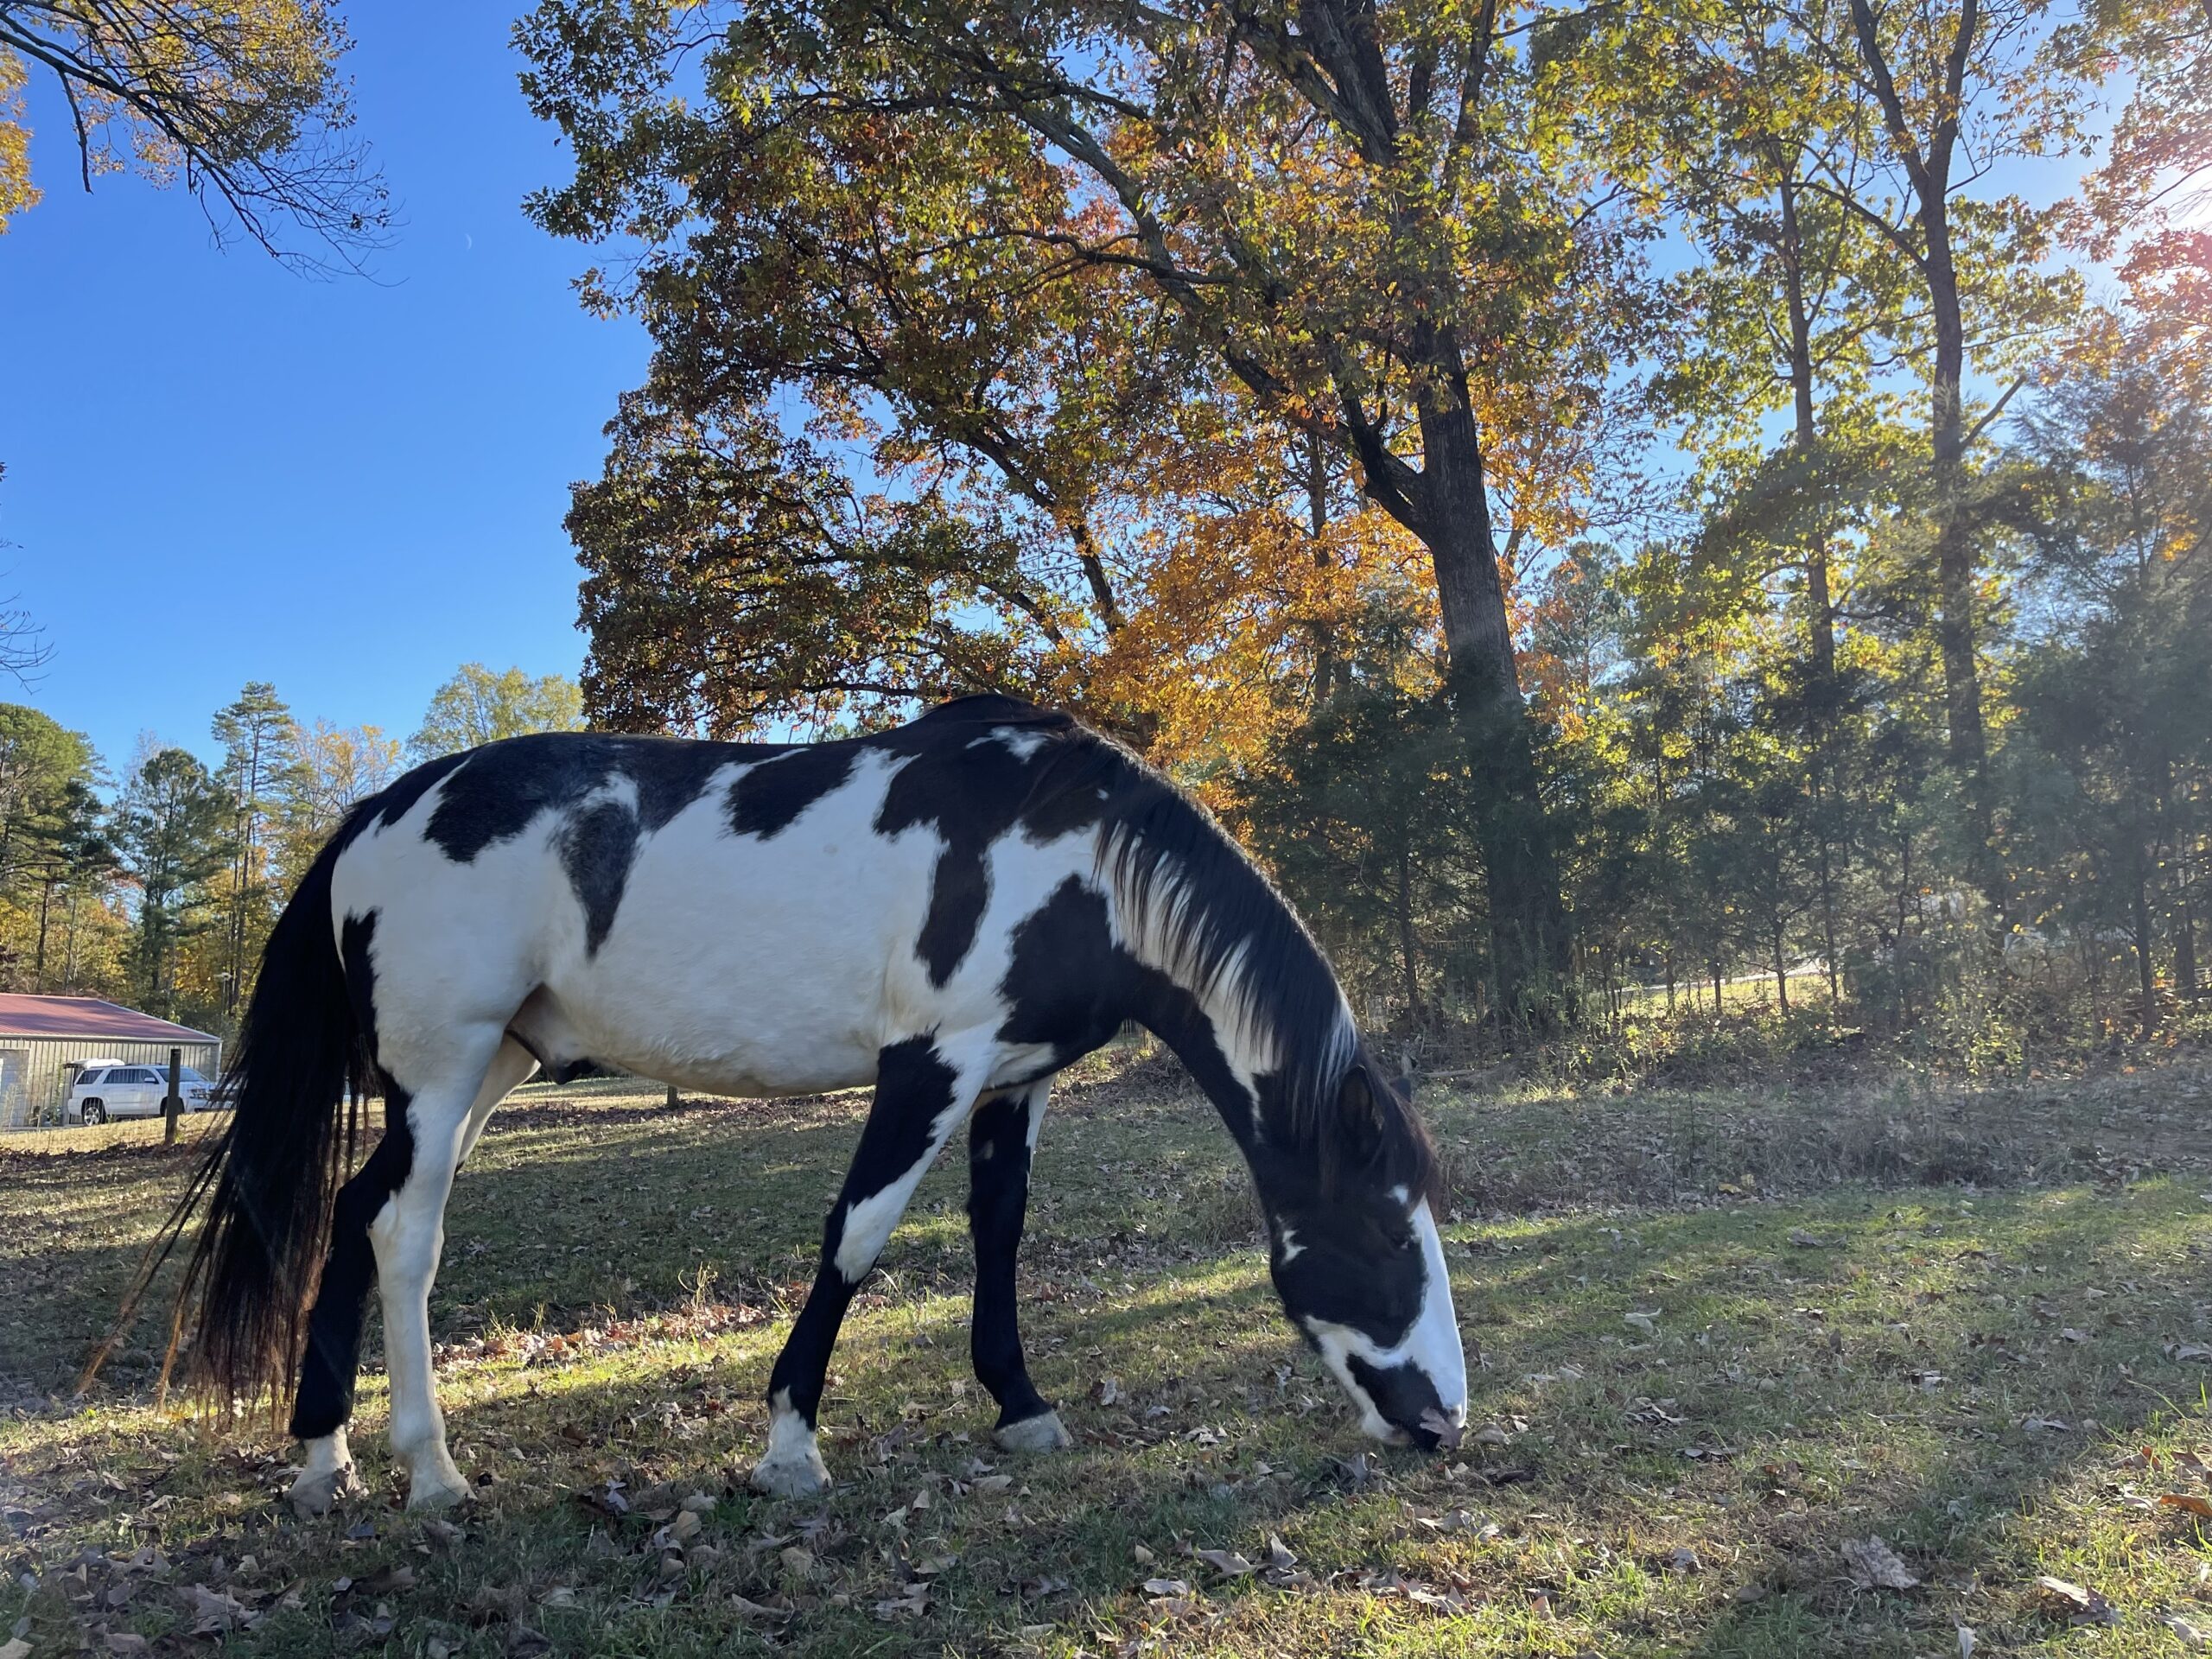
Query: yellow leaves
{"type": "Point", "coordinates": [17, 190]}
{"type": "Point", "coordinates": [1228, 618]}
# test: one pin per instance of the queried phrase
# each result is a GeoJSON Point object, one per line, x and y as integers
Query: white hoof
{"type": "Point", "coordinates": [1045, 1434]}
{"type": "Point", "coordinates": [437, 1489]}
{"type": "Point", "coordinates": [791, 1476]}
{"type": "Point", "coordinates": [317, 1491]}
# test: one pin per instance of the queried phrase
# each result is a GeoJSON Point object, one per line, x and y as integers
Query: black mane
{"type": "Point", "coordinates": [1203, 899]}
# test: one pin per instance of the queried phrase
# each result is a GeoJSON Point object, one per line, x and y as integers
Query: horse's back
{"type": "Point", "coordinates": [740, 917]}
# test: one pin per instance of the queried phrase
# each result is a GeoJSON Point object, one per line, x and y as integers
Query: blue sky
{"type": "Point", "coordinates": [219, 472]}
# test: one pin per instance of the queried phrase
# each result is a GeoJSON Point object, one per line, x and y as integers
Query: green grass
{"type": "Point", "coordinates": [1982, 1266]}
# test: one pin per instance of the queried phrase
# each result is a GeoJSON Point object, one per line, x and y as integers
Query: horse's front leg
{"type": "Point", "coordinates": [924, 1087]}
{"type": "Point", "coordinates": [1001, 1142]}
{"type": "Point", "coordinates": [388, 1228]}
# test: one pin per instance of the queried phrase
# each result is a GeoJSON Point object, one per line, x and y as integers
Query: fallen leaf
{"type": "Point", "coordinates": [1166, 1587]}
{"type": "Point", "coordinates": [1144, 1557]}
{"type": "Point", "coordinates": [2194, 1502]}
{"type": "Point", "coordinates": [2192, 1636]}
{"type": "Point", "coordinates": [1226, 1561]}
{"type": "Point", "coordinates": [214, 1611]}
{"type": "Point", "coordinates": [1805, 1241]}
{"type": "Point", "coordinates": [15, 1647]}
{"type": "Point", "coordinates": [1966, 1642]}
{"type": "Point", "coordinates": [745, 1609]}
{"type": "Point", "coordinates": [1874, 1565]}
{"type": "Point", "coordinates": [125, 1641]}
{"type": "Point", "coordinates": [1647, 1323]}
{"type": "Point", "coordinates": [387, 1580]}
{"type": "Point", "coordinates": [1279, 1555]}
{"type": "Point", "coordinates": [2069, 1334]}
{"type": "Point", "coordinates": [2076, 1602]}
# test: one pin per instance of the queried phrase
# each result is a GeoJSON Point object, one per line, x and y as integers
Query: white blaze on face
{"type": "Point", "coordinates": [1431, 1345]}
{"type": "Point", "coordinates": [1434, 1343]}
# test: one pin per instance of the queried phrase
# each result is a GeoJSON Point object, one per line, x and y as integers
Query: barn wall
{"type": "Point", "coordinates": [31, 1094]}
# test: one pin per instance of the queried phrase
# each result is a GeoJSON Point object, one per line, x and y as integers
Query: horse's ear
{"type": "Point", "coordinates": [1359, 1111]}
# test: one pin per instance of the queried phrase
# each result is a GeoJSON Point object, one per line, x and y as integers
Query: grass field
{"type": "Point", "coordinates": [1727, 1337]}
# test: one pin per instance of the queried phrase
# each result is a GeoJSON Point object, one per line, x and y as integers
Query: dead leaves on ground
{"type": "Point", "coordinates": [1874, 1565]}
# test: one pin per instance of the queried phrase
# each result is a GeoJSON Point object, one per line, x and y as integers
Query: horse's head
{"type": "Point", "coordinates": [1355, 1254]}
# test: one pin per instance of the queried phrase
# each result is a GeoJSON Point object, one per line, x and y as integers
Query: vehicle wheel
{"type": "Point", "coordinates": [94, 1112]}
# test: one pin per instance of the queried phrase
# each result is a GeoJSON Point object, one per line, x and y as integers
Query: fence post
{"type": "Point", "coordinates": [674, 1100]}
{"type": "Point", "coordinates": [173, 1102]}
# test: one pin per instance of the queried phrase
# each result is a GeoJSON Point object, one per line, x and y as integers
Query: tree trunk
{"type": "Point", "coordinates": [2145, 971]}
{"type": "Point", "coordinates": [1407, 956]}
{"type": "Point", "coordinates": [1820, 601]}
{"type": "Point", "coordinates": [1317, 513]}
{"type": "Point", "coordinates": [1780, 970]}
{"type": "Point", "coordinates": [45, 911]}
{"type": "Point", "coordinates": [1928, 171]}
{"type": "Point", "coordinates": [1529, 947]}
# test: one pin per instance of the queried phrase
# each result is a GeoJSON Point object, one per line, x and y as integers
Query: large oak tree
{"type": "Point", "coordinates": [1017, 238]}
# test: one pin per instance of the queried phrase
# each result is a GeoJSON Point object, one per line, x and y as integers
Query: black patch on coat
{"type": "Point", "coordinates": [1403, 1393]}
{"type": "Point", "coordinates": [332, 1360]}
{"type": "Point", "coordinates": [507, 784]}
{"type": "Point", "coordinates": [767, 799]}
{"type": "Point", "coordinates": [389, 805]}
{"type": "Point", "coordinates": [1067, 984]}
{"type": "Point", "coordinates": [970, 791]}
{"type": "Point", "coordinates": [598, 845]}
{"type": "Point", "coordinates": [357, 937]}
{"type": "Point", "coordinates": [671, 772]}
{"type": "Point", "coordinates": [503, 787]}
{"type": "Point", "coordinates": [998, 1202]}
{"type": "Point", "coordinates": [1358, 1263]}
{"type": "Point", "coordinates": [913, 1087]}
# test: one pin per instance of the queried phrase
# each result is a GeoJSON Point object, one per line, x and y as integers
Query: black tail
{"type": "Point", "coordinates": [266, 1190]}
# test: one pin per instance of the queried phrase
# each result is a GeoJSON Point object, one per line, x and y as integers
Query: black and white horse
{"type": "Point", "coordinates": [952, 911]}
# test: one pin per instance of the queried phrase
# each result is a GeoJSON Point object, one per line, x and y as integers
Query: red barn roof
{"type": "Point", "coordinates": [90, 1019]}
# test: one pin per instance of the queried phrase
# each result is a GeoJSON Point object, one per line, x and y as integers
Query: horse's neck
{"type": "Point", "coordinates": [1230, 1037]}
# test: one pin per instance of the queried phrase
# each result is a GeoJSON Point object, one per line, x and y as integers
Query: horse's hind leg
{"type": "Point", "coordinates": [924, 1088]}
{"type": "Point", "coordinates": [1001, 1139]}
{"type": "Point", "coordinates": [409, 1235]}
{"type": "Point", "coordinates": [387, 1224]}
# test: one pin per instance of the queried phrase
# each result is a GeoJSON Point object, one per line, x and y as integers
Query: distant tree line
{"type": "Point", "coordinates": [158, 889]}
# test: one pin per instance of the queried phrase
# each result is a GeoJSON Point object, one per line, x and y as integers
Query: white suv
{"type": "Point", "coordinates": [109, 1089]}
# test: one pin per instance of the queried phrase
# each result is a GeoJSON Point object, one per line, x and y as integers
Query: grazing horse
{"type": "Point", "coordinates": [952, 911]}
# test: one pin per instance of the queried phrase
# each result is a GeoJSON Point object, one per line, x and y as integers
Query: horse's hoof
{"type": "Point", "coordinates": [1045, 1434]}
{"type": "Point", "coordinates": [790, 1477]}
{"type": "Point", "coordinates": [436, 1492]}
{"type": "Point", "coordinates": [316, 1495]}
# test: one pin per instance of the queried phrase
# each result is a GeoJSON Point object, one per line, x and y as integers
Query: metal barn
{"type": "Point", "coordinates": [45, 1041]}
